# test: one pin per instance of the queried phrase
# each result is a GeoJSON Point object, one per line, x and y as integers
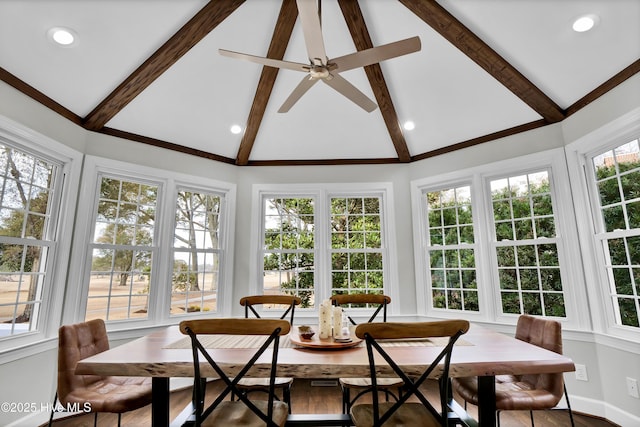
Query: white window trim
{"type": "Point", "coordinates": [479, 178]}
{"type": "Point", "coordinates": [322, 193]}
{"type": "Point", "coordinates": [420, 225]}
{"type": "Point", "coordinates": [167, 181]}
{"type": "Point", "coordinates": [579, 152]}
{"type": "Point", "coordinates": [70, 161]}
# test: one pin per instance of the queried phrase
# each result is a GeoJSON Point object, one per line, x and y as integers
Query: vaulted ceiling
{"type": "Point", "coordinates": [149, 71]}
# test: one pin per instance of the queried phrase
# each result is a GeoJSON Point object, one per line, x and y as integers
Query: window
{"type": "Point", "coordinates": [28, 187]}
{"type": "Point", "coordinates": [616, 174]}
{"type": "Point", "coordinates": [157, 244]}
{"type": "Point", "coordinates": [451, 250]}
{"type": "Point", "coordinates": [525, 245]}
{"type": "Point", "coordinates": [38, 187]}
{"type": "Point", "coordinates": [122, 250]}
{"type": "Point", "coordinates": [289, 242]}
{"type": "Point", "coordinates": [196, 252]}
{"type": "Point", "coordinates": [319, 242]}
{"type": "Point", "coordinates": [356, 245]}
{"type": "Point", "coordinates": [491, 246]}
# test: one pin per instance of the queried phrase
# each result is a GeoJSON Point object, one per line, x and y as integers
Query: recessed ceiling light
{"type": "Point", "coordinates": [235, 129]}
{"type": "Point", "coordinates": [409, 125]}
{"type": "Point", "coordinates": [584, 23]}
{"type": "Point", "coordinates": [63, 36]}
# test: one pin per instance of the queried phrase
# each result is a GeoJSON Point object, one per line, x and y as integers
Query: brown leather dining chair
{"type": "Point", "coordinates": [100, 394]}
{"type": "Point", "coordinates": [525, 392]}
{"type": "Point", "coordinates": [419, 412]}
{"type": "Point", "coordinates": [287, 304]}
{"type": "Point", "coordinates": [241, 412]}
{"type": "Point", "coordinates": [361, 386]}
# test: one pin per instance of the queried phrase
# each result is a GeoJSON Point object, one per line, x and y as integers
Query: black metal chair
{"type": "Point", "coordinates": [403, 413]}
{"type": "Point", "coordinates": [361, 386]}
{"type": "Point", "coordinates": [221, 412]}
{"type": "Point", "coordinates": [288, 304]}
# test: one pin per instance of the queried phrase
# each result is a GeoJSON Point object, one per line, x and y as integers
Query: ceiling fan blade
{"type": "Point", "coordinates": [340, 84]}
{"type": "Point", "coordinates": [376, 54]}
{"type": "Point", "coordinates": [297, 93]}
{"type": "Point", "coordinates": [312, 30]}
{"type": "Point", "coordinates": [276, 63]}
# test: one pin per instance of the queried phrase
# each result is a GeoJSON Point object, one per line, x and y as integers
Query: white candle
{"type": "Point", "coordinates": [337, 322]}
{"type": "Point", "coordinates": [324, 319]}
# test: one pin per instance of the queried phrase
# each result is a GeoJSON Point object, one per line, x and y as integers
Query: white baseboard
{"type": "Point", "coordinates": [604, 410]}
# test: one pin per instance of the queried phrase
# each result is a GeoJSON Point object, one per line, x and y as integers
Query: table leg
{"type": "Point", "coordinates": [487, 401]}
{"type": "Point", "coordinates": [160, 401]}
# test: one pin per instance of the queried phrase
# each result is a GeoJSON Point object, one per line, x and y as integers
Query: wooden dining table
{"type": "Point", "coordinates": [481, 352]}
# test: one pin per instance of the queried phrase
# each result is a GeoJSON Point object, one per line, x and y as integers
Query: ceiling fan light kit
{"type": "Point", "coordinates": [320, 68]}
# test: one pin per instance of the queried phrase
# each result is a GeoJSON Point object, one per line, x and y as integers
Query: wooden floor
{"type": "Point", "coordinates": [308, 398]}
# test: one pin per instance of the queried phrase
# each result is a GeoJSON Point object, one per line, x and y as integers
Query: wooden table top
{"type": "Point", "coordinates": [487, 353]}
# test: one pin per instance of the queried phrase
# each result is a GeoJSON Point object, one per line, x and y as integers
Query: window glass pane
{"type": "Point", "coordinates": [122, 250]}
{"type": "Point", "coordinates": [289, 242]}
{"type": "Point", "coordinates": [357, 258]}
{"type": "Point", "coordinates": [617, 176]}
{"type": "Point", "coordinates": [26, 236]}
{"type": "Point", "coordinates": [525, 235]}
{"type": "Point", "coordinates": [196, 252]}
{"type": "Point", "coordinates": [451, 250]}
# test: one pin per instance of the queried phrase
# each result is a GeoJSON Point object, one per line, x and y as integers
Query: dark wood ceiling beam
{"type": "Point", "coordinates": [38, 96]}
{"type": "Point", "coordinates": [362, 40]}
{"type": "Point", "coordinates": [279, 41]}
{"type": "Point", "coordinates": [208, 18]}
{"type": "Point", "coordinates": [605, 87]}
{"type": "Point", "coordinates": [471, 45]}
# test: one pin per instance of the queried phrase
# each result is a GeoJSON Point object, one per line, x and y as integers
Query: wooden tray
{"type": "Point", "coordinates": [322, 344]}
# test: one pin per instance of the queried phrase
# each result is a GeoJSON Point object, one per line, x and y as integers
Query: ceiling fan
{"type": "Point", "coordinates": [327, 70]}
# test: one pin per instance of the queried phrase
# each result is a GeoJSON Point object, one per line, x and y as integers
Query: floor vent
{"type": "Point", "coordinates": [324, 383]}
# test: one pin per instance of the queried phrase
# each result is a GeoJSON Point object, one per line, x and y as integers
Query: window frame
{"type": "Point", "coordinates": [69, 162]}
{"type": "Point", "coordinates": [589, 219]}
{"type": "Point", "coordinates": [322, 194]}
{"type": "Point", "coordinates": [169, 183]}
{"type": "Point", "coordinates": [479, 179]}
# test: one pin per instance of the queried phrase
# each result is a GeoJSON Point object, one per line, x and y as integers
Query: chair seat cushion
{"type": "Point", "coordinates": [366, 382]}
{"type": "Point", "coordinates": [264, 382]}
{"type": "Point", "coordinates": [409, 415]}
{"type": "Point", "coordinates": [112, 394]}
{"type": "Point", "coordinates": [238, 414]}
{"type": "Point", "coordinates": [510, 395]}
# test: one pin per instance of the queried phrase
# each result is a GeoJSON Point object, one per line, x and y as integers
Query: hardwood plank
{"type": "Point", "coordinates": [482, 54]}
{"type": "Point", "coordinates": [208, 18]}
{"type": "Point", "coordinates": [308, 399]}
{"type": "Point", "coordinates": [362, 40]}
{"type": "Point", "coordinates": [277, 47]}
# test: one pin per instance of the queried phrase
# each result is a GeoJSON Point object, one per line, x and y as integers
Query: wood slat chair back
{"type": "Point", "coordinates": [289, 301]}
{"type": "Point", "coordinates": [400, 413]}
{"type": "Point", "coordinates": [220, 412]}
{"type": "Point", "coordinates": [378, 300]}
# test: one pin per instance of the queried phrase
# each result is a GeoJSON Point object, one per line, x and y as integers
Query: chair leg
{"type": "Point", "coordinates": [286, 396]}
{"type": "Point", "coordinates": [531, 415]}
{"type": "Point", "coordinates": [95, 420]}
{"type": "Point", "coordinates": [119, 417]}
{"type": "Point", "coordinates": [55, 400]}
{"type": "Point", "coordinates": [346, 399]}
{"type": "Point", "coordinates": [566, 397]}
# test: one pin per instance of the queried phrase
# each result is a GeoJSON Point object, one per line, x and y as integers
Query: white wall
{"type": "Point", "coordinates": [32, 378]}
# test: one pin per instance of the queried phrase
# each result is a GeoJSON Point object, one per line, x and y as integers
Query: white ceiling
{"type": "Point", "coordinates": [194, 103]}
